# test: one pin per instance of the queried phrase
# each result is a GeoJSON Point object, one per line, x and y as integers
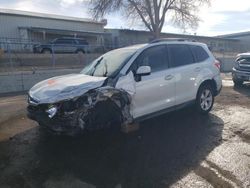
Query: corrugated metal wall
{"type": "Point", "coordinates": [9, 25]}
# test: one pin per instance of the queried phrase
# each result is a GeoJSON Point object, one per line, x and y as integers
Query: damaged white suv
{"type": "Point", "coordinates": [127, 85]}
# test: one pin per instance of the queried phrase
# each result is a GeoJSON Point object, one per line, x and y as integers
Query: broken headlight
{"type": "Point", "coordinates": [52, 110]}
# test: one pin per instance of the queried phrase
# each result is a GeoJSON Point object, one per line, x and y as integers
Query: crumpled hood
{"type": "Point", "coordinates": [64, 87]}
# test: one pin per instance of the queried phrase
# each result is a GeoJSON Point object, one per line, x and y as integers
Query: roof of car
{"type": "Point", "coordinates": [172, 40]}
{"type": "Point", "coordinates": [134, 47]}
{"type": "Point", "coordinates": [164, 41]}
{"type": "Point", "coordinates": [72, 38]}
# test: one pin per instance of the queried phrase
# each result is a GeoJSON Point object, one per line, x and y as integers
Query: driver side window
{"type": "Point", "coordinates": [155, 57]}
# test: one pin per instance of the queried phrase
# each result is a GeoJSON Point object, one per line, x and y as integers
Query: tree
{"type": "Point", "coordinates": [153, 13]}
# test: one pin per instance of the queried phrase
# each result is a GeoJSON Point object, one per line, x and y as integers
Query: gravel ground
{"type": "Point", "coordinates": [179, 149]}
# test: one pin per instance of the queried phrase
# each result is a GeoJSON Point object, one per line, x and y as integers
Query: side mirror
{"type": "Point", "coordinates": [143, 71]}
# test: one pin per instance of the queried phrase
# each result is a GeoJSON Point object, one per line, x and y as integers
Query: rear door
{"type": "Point", "coordinates": [69, 46]}
{"type": "Point", "coordinates": [64, 46]}
{"type": "Point", "coordinates": [156, 91]}
{"type": "Point", "coordinates": [182, 61]}
{"type": "Point", "coordinates": [59, 45]}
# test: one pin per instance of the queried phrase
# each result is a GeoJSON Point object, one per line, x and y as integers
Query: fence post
{"type": "Point", "coordinates": [9, 56]}
{"type": "Point", "coordinates": [87, 56]}
{"type": "Point", "coordinates": [223, 64]}
{"type": "Point", "coordinates": [53, 56]}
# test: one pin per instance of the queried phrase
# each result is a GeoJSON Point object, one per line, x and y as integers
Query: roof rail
{"type": "Point", "coordinates": [171, 39]}
{"type": "Point", "coordinates": [72, 38]}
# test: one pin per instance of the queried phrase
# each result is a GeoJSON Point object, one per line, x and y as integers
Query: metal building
{"type": "Point", "coordinates": [36, 27]}
{"type": "Point", "coordinates": [124, 37]}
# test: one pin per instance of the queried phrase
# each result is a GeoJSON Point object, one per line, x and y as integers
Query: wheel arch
{"type": "Point", "coordinates": [112, 98]}
{"type": "Point", "coordinates": [48, 49]}
{"type": "Point", "coordinates": [210, 82]}
{"type": "Point", "coordinates": [80, 50]}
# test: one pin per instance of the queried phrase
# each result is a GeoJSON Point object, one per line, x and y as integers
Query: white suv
{"type": "Point", "coordinates": [128, 84]}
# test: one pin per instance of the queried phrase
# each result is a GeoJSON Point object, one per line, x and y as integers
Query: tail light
{"type": "Point", "coordinates": [217, 64]}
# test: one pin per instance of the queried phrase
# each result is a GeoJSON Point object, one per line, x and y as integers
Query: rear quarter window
{"type": "Point", "coordinates": [199, 53]}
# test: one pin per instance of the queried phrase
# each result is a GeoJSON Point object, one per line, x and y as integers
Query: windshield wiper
{"type": "Point", "coordinates": [97, 63]}
{"type": "Point", "coordinates": [106, 69]}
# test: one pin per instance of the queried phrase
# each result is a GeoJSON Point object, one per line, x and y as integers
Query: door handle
{"type": "Point", "coordinates": [197, 69]}
{"type": "Point", "coordinates": [169, 77]}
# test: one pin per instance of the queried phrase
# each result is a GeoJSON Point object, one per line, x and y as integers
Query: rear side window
{"type": "Point", "coordinates": [180, 55]}
{"type": "Point", "coordinates": [84, 42]}
{"type": "Point", "coordinates": [199, 53]}
{"type": "Point", "coordinates": [155, 57]}
{"type": "Point", "coordinates": [64, 41]}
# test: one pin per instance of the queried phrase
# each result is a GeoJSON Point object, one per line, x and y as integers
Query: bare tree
{"type": "Point", "coordinates": [153, 13]}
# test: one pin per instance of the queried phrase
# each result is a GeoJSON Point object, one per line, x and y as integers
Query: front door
{"type": "Point", "coordinates": [156, 91]}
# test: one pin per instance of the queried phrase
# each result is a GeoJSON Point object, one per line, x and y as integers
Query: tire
{"type": "Point", "coordinates": [238, 83]}
{"type": "Point", "coordinates": [205, 99]}
{"type": "Point", "coordinates": [46, 51]}
{"type": "Point", "coordinates": [80, 52]}
{"type": "Point", "coordinates": [104, 115]}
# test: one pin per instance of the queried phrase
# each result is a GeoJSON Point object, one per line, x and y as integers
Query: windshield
{"type": "Point", "coordinates": [109, 64]}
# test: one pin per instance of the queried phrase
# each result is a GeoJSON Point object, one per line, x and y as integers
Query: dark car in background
{"type": "Point", "coordinates": [241, 69]}
{"type": "Point", "coordinates": [63, 45]}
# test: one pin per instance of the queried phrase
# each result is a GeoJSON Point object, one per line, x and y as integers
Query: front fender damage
{"type": "Point", "coordinates": [97, 109]}
{"type": "Point", "coordinates": [114, 99]}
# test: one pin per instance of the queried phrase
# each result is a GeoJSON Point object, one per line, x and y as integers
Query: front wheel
{"type": "Point", "coordinates": [205, 99]}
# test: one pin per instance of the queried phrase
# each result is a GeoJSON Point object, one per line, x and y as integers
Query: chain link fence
{"type": "Point", "coordinates": [24, 63]}
{"type": "Point", "coordinates": [27, 56]}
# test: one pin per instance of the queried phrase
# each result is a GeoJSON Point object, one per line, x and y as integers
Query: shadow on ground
{"type": "Point", "coordinates": [244, 89]}
{"type": "Point", "coordinates": [161, 152]}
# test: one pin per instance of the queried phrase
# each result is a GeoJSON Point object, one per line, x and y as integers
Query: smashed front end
{"type": "Point", "coordinates": [94, 110]}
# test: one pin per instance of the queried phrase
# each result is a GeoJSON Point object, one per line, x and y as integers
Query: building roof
{"type": "Point", "coordinates": [235, 35]}
{"type": "Point", "coordinates": [50, 16]}
{"type": "Point", "coordinates": [63, 31]}
{"type": "Point", "coordinates": [174, 35]}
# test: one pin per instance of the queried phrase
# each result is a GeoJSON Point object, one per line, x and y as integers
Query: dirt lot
{"type": "Point", "coordinates": [180, 149]}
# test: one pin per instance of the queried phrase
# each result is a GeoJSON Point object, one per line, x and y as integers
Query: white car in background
{"type": "Point", "coordinates": [127, 85]}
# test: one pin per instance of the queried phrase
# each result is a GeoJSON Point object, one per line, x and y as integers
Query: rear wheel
{"type": "Point", "coordinates": [80, 52]}
{"type": "Point", "coordinates": [205, 99]}
{"type": "Point", "coordinates": [46, 51]}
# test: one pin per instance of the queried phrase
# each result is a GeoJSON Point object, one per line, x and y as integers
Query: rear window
{"type": "Point", "coordinates": [199, 53]}
{"type": "Point", "coordinates": [180, 55]}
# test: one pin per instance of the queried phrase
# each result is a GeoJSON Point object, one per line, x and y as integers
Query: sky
{"type": "Point", "coordinates": [221, 17]}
